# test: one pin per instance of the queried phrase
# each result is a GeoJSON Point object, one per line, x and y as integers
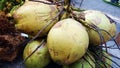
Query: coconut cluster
{"type": "Point", "coordinates": [68, 38]}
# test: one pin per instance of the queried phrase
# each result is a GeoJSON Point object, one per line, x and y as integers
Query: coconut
{"type": "Point", "coordinates": [67, 41]}
{"type": "Point", "coordinates": [100, 20]}
{"type": "Point", "coordinates": [40, 58]}
{"type": "Point", "coordinates": [33, 16]}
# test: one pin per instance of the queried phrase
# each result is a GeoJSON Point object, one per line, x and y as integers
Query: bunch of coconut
{"type": "Point", "coordinates": [67, 42]}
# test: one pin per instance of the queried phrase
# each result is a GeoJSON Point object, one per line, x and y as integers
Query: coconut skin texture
{"type": "Point", "coordinates": [101, 21]}
{"type": "Point", "coordinates": [67, 41]}
{"type": "Point", "coordinates": [39, 59]}
{"type": "Point", "coordinates": [33, 16]}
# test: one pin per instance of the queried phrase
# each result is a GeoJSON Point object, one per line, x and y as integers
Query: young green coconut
{"type": "Point", "coordinates": [98, 25]}
{"type": "Point", "coordinates": [31, 17]}
{"type": "Point", "coordinates": [40, 58]}
{"type": "Point", "coordinates": [67, 41]}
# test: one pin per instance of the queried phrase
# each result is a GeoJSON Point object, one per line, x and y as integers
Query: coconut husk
{"type": "Point", "coordinates": [10, 38]}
